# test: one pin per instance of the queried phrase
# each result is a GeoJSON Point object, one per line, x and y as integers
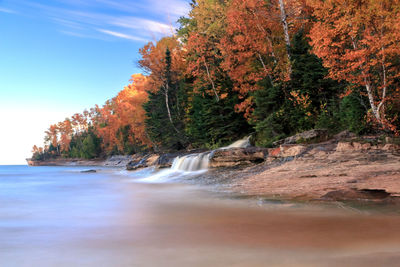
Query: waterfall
{"type": "Point", "coordinates": [245, 142]}
{"type": "Point", "coordinates": [192, 162]}
{"type": "Point", "coordinates": [197, 162]}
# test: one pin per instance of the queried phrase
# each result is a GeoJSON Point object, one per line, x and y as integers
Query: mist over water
{"type": "Point", "coordinates": [58, 216]}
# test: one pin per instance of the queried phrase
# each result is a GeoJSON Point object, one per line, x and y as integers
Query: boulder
{"type": "Point", "coordinates": [344, 135]}
{"type": "Point", "coordinates": [88, 171]}
{"type": "Point", "coordinates": [305, 137]}
{"type": "Point", "coordinates": [144, 162]}
{"type": "Point", "coordinates": [344, 147]}
{"type": "Point", "coordinates": [237, 156]}
{"type": "Point", "coordinates": [165, 160]}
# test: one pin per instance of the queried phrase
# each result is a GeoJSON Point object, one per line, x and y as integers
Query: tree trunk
{"type": "Point", "coordinates": [381, 105]}
{"type": "Point", "coordinates": [368, 88]}
{"type": "Point", "coordinates": [211, 81]}
{"type": "Point", "coordinates": [265, 69]}
{"type": "Point", "coordinates": [286, 33]}
{"type": "Point", "coordinates": [166, 90]}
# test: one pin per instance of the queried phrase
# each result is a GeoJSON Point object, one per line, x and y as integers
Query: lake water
{"type": "Point", "coordinates": [58, 216]}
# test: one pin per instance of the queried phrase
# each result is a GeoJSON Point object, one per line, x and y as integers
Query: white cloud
{"type": "Point", "coordinates": [85, 19]}
{"type": "Point", "coordinates": [122, 35]}
{"type": "Point", "coordinates": [142, 24]}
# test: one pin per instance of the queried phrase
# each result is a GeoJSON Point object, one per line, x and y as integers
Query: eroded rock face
{"type": "Point", "coordinates": [237, 156]}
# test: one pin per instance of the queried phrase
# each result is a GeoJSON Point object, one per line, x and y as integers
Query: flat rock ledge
{"type": "Point", "coordinates": [237, 156]}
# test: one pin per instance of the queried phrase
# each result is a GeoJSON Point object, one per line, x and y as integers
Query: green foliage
{"type": "Point", "coordinates": [212, 123]}
{"type": "Point", "coordinates": [307, 101]}
{"type": "Point", "coordinates": [161, 130]}
{"type": "Point", "coordinates": [352, 114]}
{"type": "Point", "coordinates": [86, 145]}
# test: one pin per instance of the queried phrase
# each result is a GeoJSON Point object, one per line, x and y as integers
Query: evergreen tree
{"type": "Point", "coordinates": [214, 123]}
{"type": "Point", "coordinates": [164, 112]}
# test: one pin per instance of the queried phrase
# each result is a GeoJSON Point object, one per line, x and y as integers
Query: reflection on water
{"type": "Point", "coordinates": [57, 216]}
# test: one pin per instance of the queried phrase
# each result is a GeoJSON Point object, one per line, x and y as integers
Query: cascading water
{"type": "Point", "coordinates": [192, 162]}
{"type": "Point", "coordinates": [198, 162]}
{"type": "Point", "coordinates": [245, 142]}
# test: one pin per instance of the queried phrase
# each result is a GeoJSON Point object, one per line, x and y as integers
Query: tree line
{"type": "Point", "coordinates": [270, 68]}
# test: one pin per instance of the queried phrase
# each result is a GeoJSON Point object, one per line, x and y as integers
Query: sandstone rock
{"type": "Point", "coordinates": [366, 146]}
{"type": "Point", "coordinates": [291, 151]}
{"type": "Point", "coordinates": [274, 152]}
{"type": "Point", "coordinates": [318, 152]}
{"type": "Point", "coordinates": [357, 146]}
{"type": "Point", "coordinates": [344, 147]}
{"type": "Point", "coordinates": [139, 162]}
{"type": "Point", "coordinates": [305, 137]}
{"type": "Point", "coordinates": [236, 156]}
{"type": "Point", "coordinates": [344, 135]}
{"type": "Point", "coordinates": [356, 194]}
{"type": "Point", "coordinates": [391, 147]}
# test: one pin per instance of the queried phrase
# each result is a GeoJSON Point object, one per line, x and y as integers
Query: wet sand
{"type": "Point", "coordinates": [103, 219]}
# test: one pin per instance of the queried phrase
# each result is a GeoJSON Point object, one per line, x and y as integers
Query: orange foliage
{"type": "Point", "coordinates": [254, 46]}
{"type": "Point", "coordinates": [124, 110]}
{"type": "Point", "coordinates": [359, 41]}
{"type": "Point", "coordinates": [153, 62]}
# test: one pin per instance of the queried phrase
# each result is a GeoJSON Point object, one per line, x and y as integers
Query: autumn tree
{"type": "Point", "coordinates": [164, 110]}
{"type": "Point", "coordinates": [210, 114]}
{"type": "Point", "coordinates": [163, 62]}
{"type": "Point", "coordinates": [257, 44]}
{"type": "Point", "coordinates": [359, 41]}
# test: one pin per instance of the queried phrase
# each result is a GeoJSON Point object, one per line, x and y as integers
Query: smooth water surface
{"type": "Point", "coordinates": [58, 216]}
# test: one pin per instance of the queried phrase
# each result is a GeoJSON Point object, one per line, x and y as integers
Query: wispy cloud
{"type": "Point", "coordinates": [125, 19]}
{"type": "Point", "coordinates": [6, 10]}
{"type": "Point", "coordinates": [122, 35]}
{"type": "Point", "coordinates": [142, 24]}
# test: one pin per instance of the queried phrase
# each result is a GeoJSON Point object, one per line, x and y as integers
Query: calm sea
{"type": "Point", "coordinates": [59, 216]}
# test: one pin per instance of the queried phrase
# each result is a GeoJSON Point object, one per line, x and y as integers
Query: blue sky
{"type": "Point", "coordinates": [62, 56]}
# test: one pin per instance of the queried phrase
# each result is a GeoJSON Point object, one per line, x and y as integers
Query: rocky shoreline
{"type": "Point", "coordinates": [341, 168]}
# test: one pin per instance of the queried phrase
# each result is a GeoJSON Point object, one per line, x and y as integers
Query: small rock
{"type": "Point", "coordinates": [88, 171]}
{"type": "Point", "coordinates": [344, 135]}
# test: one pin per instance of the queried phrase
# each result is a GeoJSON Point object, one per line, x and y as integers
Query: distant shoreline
{"type": "Point", "coordinates": [116, 161]}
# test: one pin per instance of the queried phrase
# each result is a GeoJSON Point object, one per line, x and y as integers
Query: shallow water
{"type": "Point", "coordinates": [58, 216]}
